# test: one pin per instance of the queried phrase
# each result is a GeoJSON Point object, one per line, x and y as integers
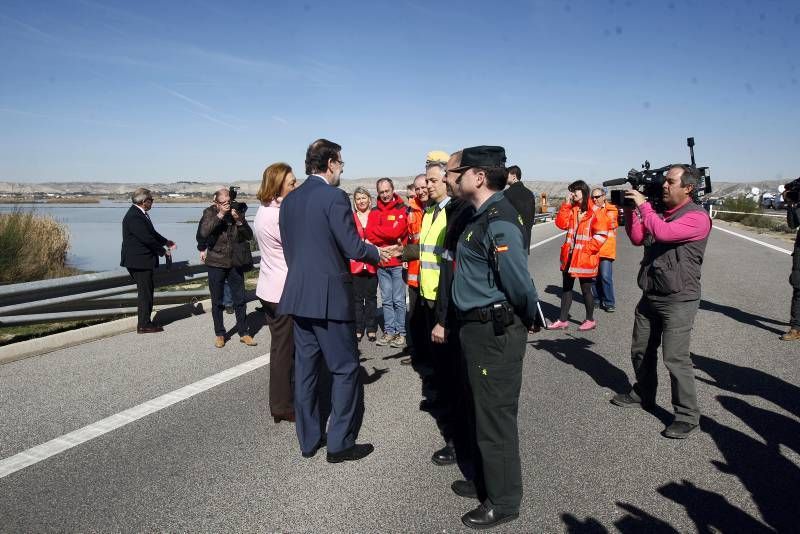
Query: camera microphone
{"type": "Point", "coordinates": [615, 181]}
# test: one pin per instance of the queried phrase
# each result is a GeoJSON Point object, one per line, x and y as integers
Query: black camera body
{"type": "Point", "coordinates": [240, 207]}
{"type": "Point", "coordinates": [791, 192]}
{"type": "Point", "coordinates": [650, 183]}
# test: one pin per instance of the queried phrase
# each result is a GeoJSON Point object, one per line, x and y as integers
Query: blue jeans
{"type": "Point", "coordinates": [393, 297]}
{"type": "Point", "coordinates": [603, 288]}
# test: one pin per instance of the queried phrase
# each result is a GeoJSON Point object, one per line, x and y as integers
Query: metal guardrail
{"type": "Point", "coordinates": [713, 212]}
{"type": "Point", "coordinates": [95, 295]}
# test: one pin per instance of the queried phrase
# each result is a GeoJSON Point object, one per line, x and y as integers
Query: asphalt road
{"type": "Point", "coordinates": [216, 461]}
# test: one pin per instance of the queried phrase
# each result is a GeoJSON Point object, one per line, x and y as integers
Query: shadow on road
{"type": "Point", "coordinates": [575, 352]}
{"type": "Point", "coordinates": [711, 512]}
{"type": "Point", "coordinates": [772, 480]}
{"type": "Point", "coordinates": [748, 381]}
{"type": "Point", "coordinates": [742, 316]}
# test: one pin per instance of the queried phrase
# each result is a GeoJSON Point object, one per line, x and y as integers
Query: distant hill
{"type": "Point", "coordinates": [553, 188]}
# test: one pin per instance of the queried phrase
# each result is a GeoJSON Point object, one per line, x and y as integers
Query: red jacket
{"type": "Point", "coordinates": [388, 223]}
{"type": "Point", "coordinates": [360, 267]}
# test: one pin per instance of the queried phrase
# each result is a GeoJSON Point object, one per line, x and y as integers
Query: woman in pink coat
{"type": "Point", "coordinates": [278, 181]}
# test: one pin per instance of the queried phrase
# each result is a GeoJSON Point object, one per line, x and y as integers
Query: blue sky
{"type": "Point", "coordinates": [95, 90]}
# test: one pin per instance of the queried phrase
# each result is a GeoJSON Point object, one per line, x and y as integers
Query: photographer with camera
{"type": "Point", "coordinates": [674, 244]}
{"type": "Point", "coordinates": [227, 235]}
{"type": "Point", "coordinates": [791, 195]}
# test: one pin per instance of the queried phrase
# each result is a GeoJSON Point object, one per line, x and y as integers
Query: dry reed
{"type": "Point", "coordinates": [32, 247]}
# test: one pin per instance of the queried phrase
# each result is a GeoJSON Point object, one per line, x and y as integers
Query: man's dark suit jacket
{"type": "Point", "coordinates": [141, 244]}
{"type": "Point", "coordinates": [525, 203]}
{"type": "Point", "coordinates": [319, 238]}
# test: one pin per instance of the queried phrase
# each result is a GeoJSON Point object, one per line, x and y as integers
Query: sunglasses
{"type": "Point", "coordinates": [597, 196]}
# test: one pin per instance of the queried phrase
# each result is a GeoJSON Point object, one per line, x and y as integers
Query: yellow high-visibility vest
{"type": "Point", "coordinates": [432, 253]}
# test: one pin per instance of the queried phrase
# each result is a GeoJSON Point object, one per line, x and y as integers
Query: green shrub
{"type": "Point", "coordinates": [751, 215]}
{"type": "Point", "coordinates": [32, 247]}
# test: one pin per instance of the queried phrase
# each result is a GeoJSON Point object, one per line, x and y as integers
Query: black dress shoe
{"type": "Point", "coordinates": [352, 454]}
{"type": "Point", "coordinates": [322, 442]}
{"type": "Point", "coordinates": [427, 405]}
{"type": "Point", "coordinates": [152, 329]}
{"type": "Point", "coordinates": [484, 517]}
{"type": "Point", "coordinates": [465, 488]}
{"type": "Point", "coordinates": [679, 430]}
{"type": "Point", "coordinates": [444, 456]}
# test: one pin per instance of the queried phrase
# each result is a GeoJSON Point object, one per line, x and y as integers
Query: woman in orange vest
{"type": "Point", "coordinates": [365, 278]}
{"type": "Point", "coordinates": [587, 231]}
{"type": "Point", "coordinates": [603, 289]}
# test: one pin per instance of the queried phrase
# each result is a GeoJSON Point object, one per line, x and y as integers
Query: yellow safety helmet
{"type": "Point", "coordinates": [437, 156]}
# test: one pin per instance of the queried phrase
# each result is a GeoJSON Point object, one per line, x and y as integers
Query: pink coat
{"type": "Point", "coordinates": [272, 271]}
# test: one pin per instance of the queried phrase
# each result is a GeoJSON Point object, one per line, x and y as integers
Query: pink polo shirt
{"type": "Point", "coordinates": [692, 226]}
{"type": "Point", "coordinates": [272, 270]}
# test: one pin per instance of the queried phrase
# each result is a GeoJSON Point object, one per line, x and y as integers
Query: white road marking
{"type": "Point", "coordinates": [542, 242]}
{"type": "Point", "coordinates": [773, 247]}
{"type": "Point", "coordinates": [60, 444]}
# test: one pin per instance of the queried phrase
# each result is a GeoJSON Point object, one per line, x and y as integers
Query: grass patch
{"type": "Point", "coordinates": [32, 247]}
{"type": "Point", "coordinates": [15, 334]}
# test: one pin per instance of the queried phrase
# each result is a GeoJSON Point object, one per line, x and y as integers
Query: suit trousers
{"type": "Point", "coordinates": [668, 324]}
{"type": "Point", "coordinates": [217, 276]}
{"type": "Point", "coordinates": [281, 360]}
{"type": "Point", "coordinates": [794, 280]}
{"type": "Point", "coordinates": [335, 343]}
{"type": "Point", "coordinates": [494, 368]}
{"type": "Point", "coordinates": [144, 295]}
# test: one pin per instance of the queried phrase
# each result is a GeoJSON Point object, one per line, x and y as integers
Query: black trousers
{"type": "Point", "coordinates": [794, 280]}
{"type": "Point", "coordinates": [365, 290]}
{"type": "Point", "coordinates": [216, 286]}
{"type": "Point", "coordinates": [144, 295]}
{"type": "Point", "coordinates": [412, 318]}
{"type": "Point", "coordinates": [568, 282]}
{"type": "Point", "coordinates": [281, 360]}
{"type": "Point", "coordinates": [494, 369]}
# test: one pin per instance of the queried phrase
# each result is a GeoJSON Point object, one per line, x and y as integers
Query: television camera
{"type": "Point", "coordinates": [650, 182]}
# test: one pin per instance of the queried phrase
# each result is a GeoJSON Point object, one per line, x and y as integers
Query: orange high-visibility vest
{"type": "Point", "coordinates": [415, 214]}
{"type": "Point", "coordinates": [609, 249]}
{"type": "Point", "coordinates": [584, 239]}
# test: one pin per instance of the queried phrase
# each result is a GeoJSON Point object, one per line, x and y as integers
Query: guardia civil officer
{"type": "Point", "coordinates": [496, 304]}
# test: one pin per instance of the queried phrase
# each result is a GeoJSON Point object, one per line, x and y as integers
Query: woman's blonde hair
{"type": "Point", "coordinates": [271, 183]}
{"type": "Point", "coordinates": [361, 191]}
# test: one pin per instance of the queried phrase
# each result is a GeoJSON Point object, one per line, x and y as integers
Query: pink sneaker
{"type": "Point", "coordinates": [587, 325]}
{"type": "Point", "coordinates": [558, 325]}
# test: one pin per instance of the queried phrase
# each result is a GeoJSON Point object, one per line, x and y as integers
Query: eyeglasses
{"type": "Point", "coordinates": [597, 196]}
{"type": "Point", "coordinates": [341, 163]}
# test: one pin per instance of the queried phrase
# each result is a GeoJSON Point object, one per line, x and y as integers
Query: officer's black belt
{"type": "Point", "coordinates": [484, 315]}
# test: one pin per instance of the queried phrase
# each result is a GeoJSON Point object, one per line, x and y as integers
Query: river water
{"type": "Point", "coordinates": [96, 229]}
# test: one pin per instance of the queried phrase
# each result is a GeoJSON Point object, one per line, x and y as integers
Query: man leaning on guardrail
{"type": "Point", "coordinates": [141, 247]}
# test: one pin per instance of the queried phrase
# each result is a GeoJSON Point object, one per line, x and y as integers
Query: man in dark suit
{"type": "Point", "coordinates": [141, 247]}
{"type": "Point", "coordinates": [319, 238]}
{"type": "Point", "coordinates": [523, 201]}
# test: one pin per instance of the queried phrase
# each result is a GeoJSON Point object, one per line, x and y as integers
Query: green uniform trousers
{"type": "Point", "coordinates": [494, 368]}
